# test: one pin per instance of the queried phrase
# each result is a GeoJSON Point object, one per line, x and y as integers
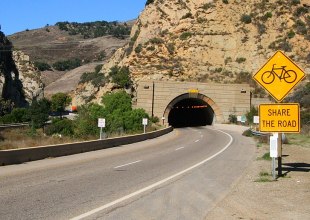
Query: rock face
{"type": "Point", "coordinates": [20, 81]}
{"type": "Point", "coordinates": [223, 41]}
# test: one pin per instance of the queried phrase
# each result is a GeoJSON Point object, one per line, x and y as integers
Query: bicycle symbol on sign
{"type": "Point", "coordinates": [289, 76]}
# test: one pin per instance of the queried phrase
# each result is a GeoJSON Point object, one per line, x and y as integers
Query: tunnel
{"type": "Point", "coordinates": [190, 112]}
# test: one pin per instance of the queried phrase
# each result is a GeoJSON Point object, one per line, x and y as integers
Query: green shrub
{"type": "Point", "coordinates": [138, 49]}
{"type": "Point", "coordinates": [171, 48]}
{"type": "Point", "coordinates": [96, 29]}
{"type": "Point", "coordinates": [266, 16]}
{"type": "Point", "coordinates": [240, 59]}
{"type": "Point", "coordinates": [67, 64]}
{"type": "Point", "coordinates": [247, 133]}
{"type": "Point", "coordinates": [187, 15]}
{"type": "Point", "coordinates": [60, 126]}
{"type": "Point", "coordinates": [156, 40]}
{"type": "Point", "coordinates": [301, 11]}
{"type": "Point", "coordinates": [149, 2]}
{"type": "Point", "coordinates": [291, 34]}
{"type": "Point", "coordinates": [266, 156]}
{"type": "Point", "coordinates": [250, 114]}
{"type": "Point", "coordinates": [133, 120]}
{"type": "Point", "coordinates": [232, 119]}
{"type": "Point", "coordinates": [225, 1]}
{"type": "Point", "coordinates": [295, 2]}
{"type": "Point", "coordinates": [42, 66]}
{"type": "Point", "coordinates": [247, 19]}
{"type": "Point", "coordinates": [185, 35]}
{"type": "Point", "coordinates": [120, 76]}
{"type": "Point", "coordinates": [18, 115]}
{"type": "Point", "coordinates": [98, 68]}
{"type": "Point", "coordinates": [102, 55]}
{"type": "Point", "coordinates": [207, 6]}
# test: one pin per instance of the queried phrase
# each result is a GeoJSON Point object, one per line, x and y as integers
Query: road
{"type": "Point", "coordinates": [181, 175]}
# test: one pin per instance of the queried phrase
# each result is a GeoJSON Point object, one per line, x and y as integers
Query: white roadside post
{"type": "Point", "coordinates": [101, 124]}
{"type": "Point", "coordinates": [144, 122]}
{"type": "Point", "coordinates": [274, 152]}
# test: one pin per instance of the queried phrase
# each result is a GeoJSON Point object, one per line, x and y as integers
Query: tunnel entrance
{"type": "Point", "coordinates": [190, 112]}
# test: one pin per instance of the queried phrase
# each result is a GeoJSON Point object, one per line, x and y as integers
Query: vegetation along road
{"type": "Point", "coordinates": [179, 176]}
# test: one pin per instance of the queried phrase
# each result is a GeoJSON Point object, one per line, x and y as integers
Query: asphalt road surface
{"type": "Point", "coordinates": [181, 175]}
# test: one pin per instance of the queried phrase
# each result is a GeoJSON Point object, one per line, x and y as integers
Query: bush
{"type": "Point", "coordinates": [156, 40]}
{"type": "Point", "coordinates": [149, 2]}
{"type": "Point", "coordinates": [207, 6]}
{"type": "Point", "coordinates": [266, 16]}
{"type": "Point", "coordinates": [232, 119]}
{"type": "Point", "coordinates": [138, 49]}
{"type": "Point", "coordinates": [250, 114]}
{"type": "Point", "coordinates": [18, 115]}
{"type": "Point", "coordinates": [67, 64]}
{"type": "Point", "coordinates": [240, 59]}
{"type": "Point", "coordinates": [291, 34]}
{"type": "Point", "coordinates": [170, 48]}
{"type": "Point", "coordinates": [225, 1]}
{"type": "Point", "coordinates": [187, 15]}
{"type": "Point", "coordinates": [42, 66]}
{"type": "Point", "coordinates": [247, 19]}
{"type": "Point", "coordinates": [60, 126]}
{"type": "Point", "coordinates": [185, 35]}
{"type": "Point", "coordinates": [133, 120]}
{"type": "Point", "coordinates": [120, 76]}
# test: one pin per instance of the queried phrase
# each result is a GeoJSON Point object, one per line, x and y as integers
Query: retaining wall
{"type": "Point", "coordinates": [16, 156]}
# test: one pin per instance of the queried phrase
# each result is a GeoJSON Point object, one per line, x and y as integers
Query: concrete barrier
{"type": "Point", "coordinates": [16, 156]}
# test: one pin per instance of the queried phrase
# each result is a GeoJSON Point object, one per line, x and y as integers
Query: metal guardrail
{"type": "Point", "coordinates": [258, 133]}
{"type": "Point", "coordinates": [13, 125]}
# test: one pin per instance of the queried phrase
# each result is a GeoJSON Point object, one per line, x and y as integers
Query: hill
{"type": "Point", "coordinates": [222, 41]}
{"type": "Point", "coordinates": [84, 42]}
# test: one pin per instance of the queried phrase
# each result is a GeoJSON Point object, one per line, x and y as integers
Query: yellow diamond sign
{"type": "Point", "coordinates": [279, 76]}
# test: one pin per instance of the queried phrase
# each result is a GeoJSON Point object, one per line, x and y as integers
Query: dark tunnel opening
{"type": "Point", "coordinates": [190, 112]}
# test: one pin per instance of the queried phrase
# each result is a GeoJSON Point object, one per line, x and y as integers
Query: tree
{"type": "Point", "coordinates": [86, 123]}
{"type": "Point", "coordinates": [117, 101]}
{"type": "Point", "coordinates": [120, 76]}
{"type": "Point", "coordinates": [39, 113]}
{"type": "Point", "coordinates": [59, 101]}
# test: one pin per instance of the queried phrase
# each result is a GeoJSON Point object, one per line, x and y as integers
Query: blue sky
{"type": "Point", "coordinates": [19, 15]}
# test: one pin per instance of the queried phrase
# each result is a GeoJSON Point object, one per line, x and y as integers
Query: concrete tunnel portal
{"type": "Point", "coordinates": [190, 110]}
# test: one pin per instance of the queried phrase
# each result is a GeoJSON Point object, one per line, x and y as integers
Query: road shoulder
{"type": "Point", "coordinates": [255, 197]}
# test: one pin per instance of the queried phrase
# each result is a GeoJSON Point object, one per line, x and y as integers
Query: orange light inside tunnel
{"type": "Point", "coordinates": [195, 106]}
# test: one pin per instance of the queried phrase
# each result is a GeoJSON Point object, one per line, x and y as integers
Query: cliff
{"type": "Point", "coordinates": [222, 41]}
{"type": "Point", "coordinates": [20, 81]}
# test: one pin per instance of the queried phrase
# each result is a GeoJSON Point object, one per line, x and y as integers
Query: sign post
{"type": "Point", "coordinates": [101, 124]}
{"type": "Point", "coordinates": [279, 76]}
{"type": "Point", "coordinates": [144, 122]}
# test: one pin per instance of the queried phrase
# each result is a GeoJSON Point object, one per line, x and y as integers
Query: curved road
{"type": "Point", "coordinates": [178, 176]}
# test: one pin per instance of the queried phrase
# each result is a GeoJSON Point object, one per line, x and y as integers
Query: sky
{"type": "Point", "coordinates": [19, 15]}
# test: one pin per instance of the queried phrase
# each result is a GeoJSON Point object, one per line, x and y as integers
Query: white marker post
{"type": "Point", "coordinates": [274, 152]}
{"type": "Point", "coordinates": [144, 122]}
{"type": "Point", "coordinates": [101, 124]}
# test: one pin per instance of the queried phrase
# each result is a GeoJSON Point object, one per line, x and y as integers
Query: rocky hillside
{"type": "Point", "coordinates": [222, 41]}
{"type": "Point", "coordinates": [20, 81]}
{"type": "Point", "coordinates": [66, 41]}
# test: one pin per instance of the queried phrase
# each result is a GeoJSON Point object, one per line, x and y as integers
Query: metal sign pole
{"type": "Point", "coordinates": [100, 133]}
{"type": "Point", "coordinates": [280, 154]}
{"type": "Point", "coordinates": [144, 129]}
{"type": "Point", "coordinates": [273, 168]}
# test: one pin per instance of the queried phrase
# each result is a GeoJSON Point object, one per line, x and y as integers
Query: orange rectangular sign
{"type": "Point", "coordinates": [279, 118]}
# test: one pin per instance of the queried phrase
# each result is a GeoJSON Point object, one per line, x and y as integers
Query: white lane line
{"type": "Point", "coordinates": [179, 148]}
{"type": "Point", "coordinates": [101, 208]}
{"type": "Point", "coordinates": [196, 141]}
{"type": "Point", "coordinates": [127, 164]}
